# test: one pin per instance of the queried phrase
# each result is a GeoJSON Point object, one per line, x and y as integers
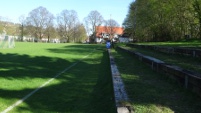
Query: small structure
{"type": "Point", "coordinates": [125, 38]}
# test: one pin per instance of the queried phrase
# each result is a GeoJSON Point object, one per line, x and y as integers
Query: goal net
{"type": "Point", "coordinates": [7, 41]}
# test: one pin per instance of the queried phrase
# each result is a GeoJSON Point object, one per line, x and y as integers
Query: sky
{"type": "Point", "coordinates": [115, 9]}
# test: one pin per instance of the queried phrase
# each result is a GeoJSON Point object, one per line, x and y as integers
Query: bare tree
{"type": "Point", "coordinates": [87, 28]}
{"type": "Point", "coordinates": [22, 22]}
{"type": "Point", "coordinates": [38, 18]}
{"type": "Point", "coordinates": [29, 29]}
{"type": "Point", "coordinates": [111, 27]}
{"type": "Point", "coordinates": [50, 30]}
{"type": "Point", "coordinates": [93, 19]}
{"type": "Point", "coordinates": [86, 25]}
{"type": "Point", "coordinates": [67, 21]}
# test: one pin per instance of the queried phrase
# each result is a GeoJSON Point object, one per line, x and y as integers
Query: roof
{"type": "Point", "coordinates": [104, 29]}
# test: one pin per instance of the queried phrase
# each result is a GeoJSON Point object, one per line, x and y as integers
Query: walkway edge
{"type": "Point", "coordinates": [121, 97]}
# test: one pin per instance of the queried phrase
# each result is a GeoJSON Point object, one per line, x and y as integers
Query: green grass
{"type": "Point", "coordinates": [85, 88]}
{"type": "Point", "coordinates": [186, 43]}
{"type": "Point", "coordinates": [151, 92]}
{"type": "Point", "coordinates": [185, 62]}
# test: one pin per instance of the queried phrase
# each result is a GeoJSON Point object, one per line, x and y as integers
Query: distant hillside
{"type": "Point", "coordinates": [11, 28]}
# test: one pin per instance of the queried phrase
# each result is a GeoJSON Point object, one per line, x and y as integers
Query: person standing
{"type": "Point", "coordinates": [108, 44]}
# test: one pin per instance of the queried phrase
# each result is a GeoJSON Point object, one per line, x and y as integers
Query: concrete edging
{"type": "Point", "coordinates": [120, 95]}
{"type": "Point", "coordinates": [190, 80]}
{"type": "Point", "coordinates": [171, 50]}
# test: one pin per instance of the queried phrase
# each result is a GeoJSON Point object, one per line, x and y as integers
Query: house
{"type": "Point", "coordinates": [104, 33]}
{"type": "Point", "coordinates": [125, 38]}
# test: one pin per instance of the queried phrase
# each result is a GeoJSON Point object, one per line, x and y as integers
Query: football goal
{"type": "Point", "coordinates": [7, 41]}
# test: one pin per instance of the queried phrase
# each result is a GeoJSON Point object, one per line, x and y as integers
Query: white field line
{"type": "Point", "coordinates": [43, 85]}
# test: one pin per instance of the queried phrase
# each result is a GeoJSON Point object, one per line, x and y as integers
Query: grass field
{"type": "Point", "coordinates": [185, 62]}
{"type": "Point", "coordinates": [86, 87]}
{"type": "Point", "coordinates": [191, 43]}
{"type": "Point", "coordinates": [151, 92]}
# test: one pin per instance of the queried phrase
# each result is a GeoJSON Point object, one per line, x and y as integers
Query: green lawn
{"type": "Point", "coordinates": [151, 92]}
{"type": "Point", "coordinates": [192, 43]}
{"type": "Point", "coordinates": [185, 62]}
{"type": "Point", "coordinates": [84, 88]}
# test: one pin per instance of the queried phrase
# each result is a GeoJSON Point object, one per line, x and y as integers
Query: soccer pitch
{"type": "Point", "coordinates": [45, 77]}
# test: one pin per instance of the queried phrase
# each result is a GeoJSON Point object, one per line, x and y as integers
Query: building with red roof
{"type": "Point", "coordinates": [108, 33]}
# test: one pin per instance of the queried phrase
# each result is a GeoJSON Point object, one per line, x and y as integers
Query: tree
{"type": "Point", "coordinates": [67, 21]}
{"type": "Point", "coordinates": [22, 22]}
{"type": "Point", "coordinates": [130, 21]}
{"type": "Point", "coordinates": [29, 29]}
{"type": "Point", "coordinates": [4, 25]}
{"type": "Point", "coordinates": [39, 19]}
{"type": "Point", "coordinates": [197, 8]}
{"type": "Point", "coordinates": [93, 19]}
{"type": "Point", "coordinates": [160, 20]}
{"type": "Point", "coordinates": [50, 30]}
{"type": "Point", "coordinates": [80, 33]}
{"type": "Point", "coordinates": [87, 27]}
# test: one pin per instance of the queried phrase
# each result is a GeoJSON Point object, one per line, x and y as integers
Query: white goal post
{"type": "Point", "coordinates": [7, 41]}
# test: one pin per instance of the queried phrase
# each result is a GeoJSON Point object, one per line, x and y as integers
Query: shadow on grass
{"type": "Point", "coordinates": [77, 49]}
{"type": "Point", "coordinates": [86, 88]}
{"type": "Point", "coordinates": [152, 92]}
{"type": "Point", "coordinates": [20, 66]}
